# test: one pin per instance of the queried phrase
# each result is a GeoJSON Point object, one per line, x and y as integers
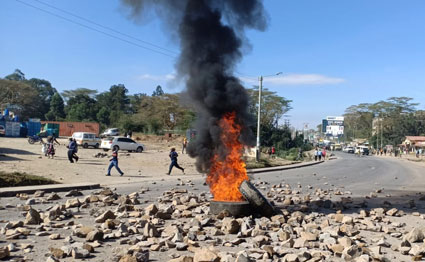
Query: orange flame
{"type": "Point", "coordinates": [226, 175]}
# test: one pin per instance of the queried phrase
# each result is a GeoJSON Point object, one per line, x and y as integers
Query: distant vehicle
{"type": "Point", "coordinates": [362, 150]}
{"type": "Point", "coordinates": [349, 149]}
{"type": "Point", "coordinates": [34, 139]}
{"type": "Point", "coordinates": [121, 143]}
{"type": "Point", "coordinates": [111, 132]}
{"type": "Point", "coordinates": [337, 147]}
{"type": "Point", "coordinates": [86, 139]}
{"type": "Point", "coordinates": [2, 131]}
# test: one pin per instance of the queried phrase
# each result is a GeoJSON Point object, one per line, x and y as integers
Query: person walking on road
{"type": "Point", "coordinates": [72, 150]}
{"type": "Point", "coordinates": [316, 154]}
{"type": "Point", "coordinates": [184, 144]}
{"type": "Point", "coordinates": [114, 163]}
{"type": "Point", "coordinates": [173, 157]}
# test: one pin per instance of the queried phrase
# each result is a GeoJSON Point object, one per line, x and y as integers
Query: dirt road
{"type": "Point", "coordinates": [16, 154]}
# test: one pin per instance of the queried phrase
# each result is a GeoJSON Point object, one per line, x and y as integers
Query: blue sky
{"type": "Point", "coordinates": [332, 53]}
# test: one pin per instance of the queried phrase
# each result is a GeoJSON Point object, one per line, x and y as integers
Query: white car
{"type": "Point", "coordinates": [111, 132]}
{"type": "Point", "coordinates": [121, 143]}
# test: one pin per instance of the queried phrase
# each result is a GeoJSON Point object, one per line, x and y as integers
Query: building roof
{"type": "Point", "coordinates": [416, 138]}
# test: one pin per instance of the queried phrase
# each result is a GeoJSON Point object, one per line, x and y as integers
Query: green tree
{"type": "Point", "coordinates": [45, 93]}
{"type": "Point", "coordinates": [20, 96]}
{"type": "Point", "coordinates": [158, 91]}
{"type": "Point", "coordinates": [57, 108]}
{"type": "Point", "coordinates": [68, 94]}
{"type": "Point", "coordinates": [81, 108]}
{"type": "Point", "coordinates": [273, 107]}
{"type": "Point", "coordinates": [16, 76]}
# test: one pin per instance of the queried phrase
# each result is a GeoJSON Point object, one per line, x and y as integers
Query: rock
{"type": "Point", "coordinates": [362, 258]}
{"type": "Point", "coordinates": [57, 252]}
{"type": "Point", "coordinates": [283, 235]}
{"type": "Point", "coordinates": [309, 236]}
{"type": "Point", "coordinates": [70, 203]}
{"type": "Point", "coordinates": [128, 258]}
{"type": "Point", "coordinates": [11, 247]}
{"type": "Point", "coordinates": [230, 226]}
{"type": "Point", "coordinates": [150, 230]}
{"type": "Point", "coordinates": [290, 258]}
{"type": "Point", "coordinates": [53, 196]}
{"type": "Point", "coordinates": [73, 193]}
{"type": "Point", "coordinates": [78, 253]}
{"type": "Point", "coordinates": [55, 236]}
{"type": "Point", "coordinates": [94, 235]}
{"type": "Point", "coordinates": [142, 255]}
{"type": "Point", "coordinates": [30, 201]}
{"type": "Point", "coordinates": [4, 252]}
{"type": "Point", "coordinates": [106, 215]}
{"type": "Point", "coordinates": [83, 231]}
{"type": "Point", "coordinates": [351, 252]}
{"type": "Point", "coordinates": [151, 210]}
{"type": "Point", "coordinates": [182, 259]}
{"type": "Point", "coordinates": [243, 258]}
{"type": "Point", "coordinates": [337, 249]}
{"type": "Point", "coordinates": [52, 259]}
{"type": "Point", "coordinates": [415, 235]}
{"type": "Point", "coordinates": [392, 212]}
{"type": "Point", "coordinates": [205, 255]}
{"type": "Point", "coordinates": [344, 241]}
{"type": "Point", "coordinates": [417, 250]}
{"type": "Point", "coordinates": [33, 217]}
{"type": "Point", "coordinates": [39, 193]}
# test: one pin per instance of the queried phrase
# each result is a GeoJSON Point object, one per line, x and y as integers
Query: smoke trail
{"type": "Point", "coordinates": [211, 34]}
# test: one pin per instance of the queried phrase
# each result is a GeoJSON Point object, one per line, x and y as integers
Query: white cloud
{"type": "Point", "coordinates": [298, 79]}
{"type": "Point", "coordinates": [167, 77]}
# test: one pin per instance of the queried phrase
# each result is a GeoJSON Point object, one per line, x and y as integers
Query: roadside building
{"type": "Point", "coordinates": [414, 142]}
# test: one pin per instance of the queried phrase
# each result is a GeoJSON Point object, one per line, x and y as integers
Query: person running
{"type": "Point", "coordinates": [114, 163]}
{"type": "Point", "coordinates": [72, 150]}
{"type": "Point", "coordinates": [184, 144]}
{"type": "Point", "coordinates": [173, 157]}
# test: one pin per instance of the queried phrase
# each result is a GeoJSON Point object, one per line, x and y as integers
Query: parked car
{"type": "Point", "coordinates": [86, 139]}
{"type": "Point", "coordinates": [349, 149]}
{"type": "Point", "coordinates": [121, 143]}
{"type": "Point", "coordinates": [110, 132]}
{"type": "Point", "coordinates": [2, 131]}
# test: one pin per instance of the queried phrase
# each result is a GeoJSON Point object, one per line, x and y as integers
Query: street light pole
{"type": "Point", "coordinates": [257, 149]}
{"type": "Point", "coordinates": [260, 89]}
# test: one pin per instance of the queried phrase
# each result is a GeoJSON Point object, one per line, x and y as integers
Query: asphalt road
{"type": "Point", "coordinates": [358, 175]}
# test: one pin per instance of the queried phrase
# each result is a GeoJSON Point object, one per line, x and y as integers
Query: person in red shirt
{"type": "Point", "coordinates": [114, 163]}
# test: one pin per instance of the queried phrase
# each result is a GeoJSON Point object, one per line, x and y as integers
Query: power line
{"type": "Point", "coordinates": [94, 29]}
{"type": "Point", "coordinates": [105, 27]}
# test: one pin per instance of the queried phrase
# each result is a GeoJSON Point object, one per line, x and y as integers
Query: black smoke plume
{"type": "Point", "coordinates": [211, 34]}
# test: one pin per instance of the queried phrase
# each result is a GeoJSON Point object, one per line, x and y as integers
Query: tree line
{"type": "Point", "coordinates": [154, 114]}
{"type": "Point", "coordinates": [392, 119]}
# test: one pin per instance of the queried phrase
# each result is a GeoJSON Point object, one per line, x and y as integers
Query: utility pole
{"type": "Point", "coordinates": [381, 133]}
{"type": "Point", "coordinates": [260, 89]}
{"type": "Point", "coordinates": [257, 150]}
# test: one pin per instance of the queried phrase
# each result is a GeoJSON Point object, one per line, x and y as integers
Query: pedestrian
{"type": "Point", "coordinates": [114, 163]}
{"type": "Point", "coordinates": [184, 145]}
{"type": "Point", "coordinates": [273, 151]}
{"type": "Point", "coordinates": [51, 140]}
{"type": "Point", "coordinates": [173, 157]}
{"type": "Point", "coordinates": [316, 154]}
{"type": "Point", "coordinates": [385, 151]}
{"type": "Point", "coordinates": [72, 150]}
{"type": "Point", "coordinates": [320, 154]}
{"type": "Point", "coordinates": [130, 133]}
{"type": "Point", "coordinates": [324, 153]}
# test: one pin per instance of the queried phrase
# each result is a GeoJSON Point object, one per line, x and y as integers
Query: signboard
{"type": "Point", "coordinates": [334, 126]}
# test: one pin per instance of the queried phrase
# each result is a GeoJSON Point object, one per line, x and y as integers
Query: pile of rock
{"type": "Point", "coordinates": [180, 225]}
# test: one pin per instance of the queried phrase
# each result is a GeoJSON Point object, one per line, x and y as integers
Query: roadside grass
{"type": "Point", "coordinates": [22, 179]}
{"type": "Point", "coordinates": [268, 162]}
